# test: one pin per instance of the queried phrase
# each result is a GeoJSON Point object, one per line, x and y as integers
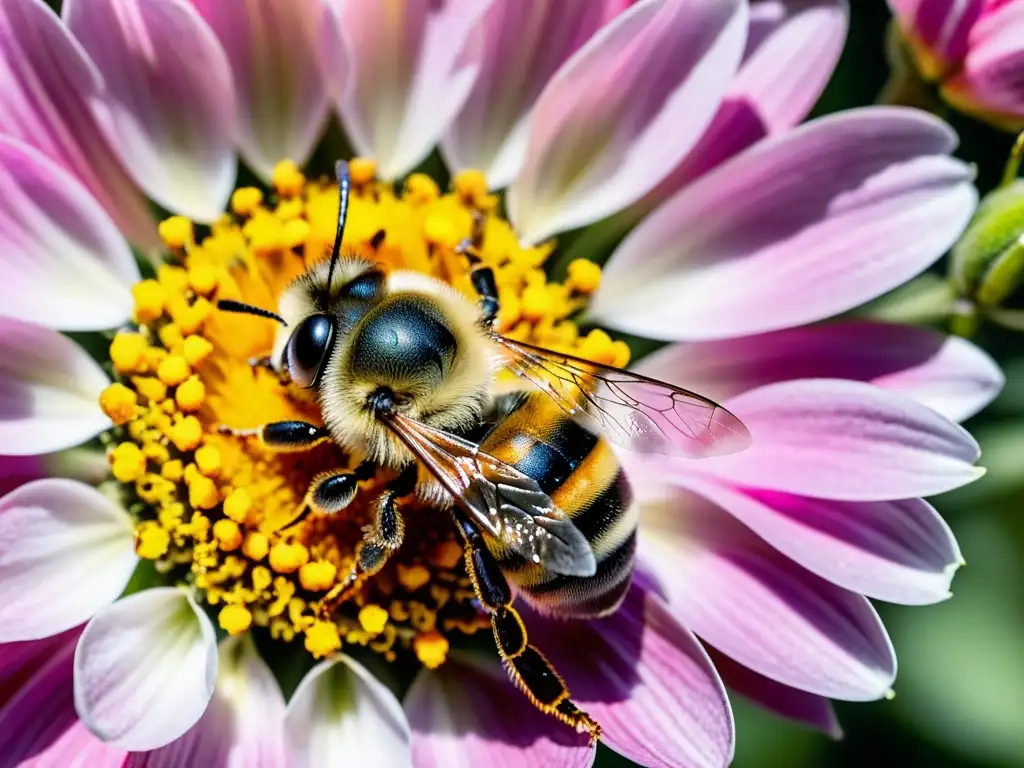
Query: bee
{"type": "Point", "coordinates": [403, 368]}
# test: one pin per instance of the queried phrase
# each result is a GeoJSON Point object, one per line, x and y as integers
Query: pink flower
{"type": "Point", "coordinates": [755, 569]}
{"type": "Point", "coordinates": [974, 50]}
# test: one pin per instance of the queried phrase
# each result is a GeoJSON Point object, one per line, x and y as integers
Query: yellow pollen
{"type": "Point", "coordinates": [287, 179]}
{"type": "Point", "coordinates": [246, 200]}
{"type": "Point", "coordinates": [234, 619]}
{"type": "Point", "coordinates": [373, 619]}
{"type": "Point", "coordinates": [208, 460]}
{"type": "Point", "coordinates": [172, 470]}
{"type": "Point", "coordinates": [228, 535]}
{"type": "Point", "coordinates": [295, 233]}
{"type": "Point", "coordinates": [287, 558]}
{"type": "Point", "coordinates": [202, 278]}
{"type": "Point", "coordinates": [127, 463]}
{"type": "Point", "coordinates": [186, 433]}
{"type": "Point", "coordinates": [176, 232]}
{"type": "Point", "coordinates": [584, 276]}
{"type": "Point", "coordinates": [152, 389]}
{"type": "Point", "coordinates": [256, 546]}
{"type": "Point", "coordinates": [421, 189]}
{"type": "Point", "coordinates": [237, 505]}
{"type": "Point", "coordinates": [446, 555]}
{"type": "Point", "coordinates": [170, 336]}
{"type": "Point", "coordinates": [413, 577]}
{"type": "Point", "coordinates": [190, 394]}
{"type": "Point", "coordinates": [119, 403]}
{"type": "Point", "coordinates": [128, 352]}
{"type": "Point", "coordinates": [151, 541]}
{"type": "Point", "coordinates": [431, 648]}
{"type": "Point", "coordinates": [362, 170]}
{"type": "Point", "coordinates": [471, 186]}
{"type": "Point", "coordinates": [149, 298]}
{"type": "Point", "coordinates": [322, 638]}
{"type": "Point", "coordinates": [173, 370]}
{"type": "Point", "coordinates": [202, 493]}
{"type": "Point", "coordinates": [317, 576]}
{"type": "Point", "coordinates": [440, 230]}
{"type": "Point", "coordinates": [196, 349]}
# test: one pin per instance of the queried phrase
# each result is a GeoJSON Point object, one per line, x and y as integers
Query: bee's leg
{"type": "Point", "coordinates": [381, 537]}
{"type": "Point", "coordinates": [283, 436]}
{"type": "Point", "coordinates": [526, 665]}
{"type": "Point", "coordinates": [328, 494]}
{"type": "Point", "coordinates": [483, 281]}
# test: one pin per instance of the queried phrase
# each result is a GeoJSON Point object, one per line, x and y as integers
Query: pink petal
{"type": "Point", "coordinates": [518, 46]}
{"type": "Point", "coordinates": [992, 77]}
{"type": "Point", "coordinates": [49, 391]}
{"type": "Point", "coordinates": [243, 727]}
{"type": "Point", "coordinates": [759, 607]}
{"type": "Point", "coordinates": [790, 703]}
{"type": "Point", "coordinates": [282, 98]}
{"type": "Point", "coordinates": [646, 680]}
{"type": "Point", "coordinates": [145, 669]}
{"type": "Point", "coordinates": [796, 229]}
{"type": "Point", "coordinates": [406, 80]}
{"type": "Point", "coordinates": [20, 661]}
{"type": "Point", "coordinates": [620, 114]}
{"type": "Point", "coordinates": [66, 551]}
{"type": "Point", "coordinates": [899, 551]}
{"type": "Point", "coordinates": [65, 264]}
{"type": "Point", "coordinates": [946, 373]}
{"type": "Point", "coordinates": [38, 727]}
{"type": "Point", "coordinates": [792, 49]}
{"type": "Point", "coordinates": [170, 96]}
{"type": "Point", "coordinates": [941, 26]}
{"type": "Point", "coordinates": [846, 440]}
{"type": "Point", "coordinates": [48, 91]}
{"type": "Point", "coordinates": [467, 712]}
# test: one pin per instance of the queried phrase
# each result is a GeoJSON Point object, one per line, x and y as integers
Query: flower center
{"type": "Point", "coordinates": [224, 515]}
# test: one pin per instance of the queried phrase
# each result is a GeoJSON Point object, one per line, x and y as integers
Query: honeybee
{"type": "Point", "coordinates": [403, 369]}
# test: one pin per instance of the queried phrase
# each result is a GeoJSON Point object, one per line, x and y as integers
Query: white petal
{"type": "Point", "coordinates": [341, 715]}
{"type": "Point", "coordinates": [66, 551]}
{"type": "Point", "coordinates": [65, 264]}
{"type": "Point", "coordinates": [49, 391]}
{"type": "Point", "coordinates": [145, 669]}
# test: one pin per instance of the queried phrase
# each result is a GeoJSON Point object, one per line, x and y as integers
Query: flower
{"type": "Point", "coordinates": [756, 229]}
{"type": "Point", "coordinates": [974, 52]}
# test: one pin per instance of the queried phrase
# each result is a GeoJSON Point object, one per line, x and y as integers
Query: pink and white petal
{"type": "Point", "coordinates": [38, 727]}
{"type": "Point", "coordinates": [598, 142]}
{"type": "Point", "coordinates": [792, 48]}
{"type": "Point", "coordinates": [282, 99]}
{"type": "Point", "coordinates": [170, 97]}
{"type": "Point", "coordinates": [49, 391]}
{"type": "Point", "coordinates": [518, 46]}
{"type": "Point", "coordinates": [467, 713]}
{"type": "Point", "coordinates": [145, 669]}
{"type": "Point", "coordinates": [796, 229]}
{"type": "Point", "coordinates": [66, 551]}
{"type": "Point", "coordinates": [48, 92]}
{"type": "Point", "coordinates": [992, 77]}
{"type": "Point", "coordinates": [65, 263]}
{"type": "Point", "coordinates": [243, 726]}
{"type": "Point", "coordinates": [406, 80]}
{"type": "Point", "coordinates": [899, 551]}
{"type": "Point", "coordinates": [799, 706]}
{"type": "Point", "coordinates": [759, 607]}
{"type": "Point", "coordinates": [946, 373]}
{"type": "Point", "coordinates": [846, 440]}
{"type": "Point", "coordinates": [941, 27]}
{"type": "Point", "coordinates": [647, 680]}
{"type": "Point", "coordinates": [341, 714]}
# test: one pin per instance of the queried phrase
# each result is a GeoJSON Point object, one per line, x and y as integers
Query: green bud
{"type": "Point", "coordinates": [988, 261]}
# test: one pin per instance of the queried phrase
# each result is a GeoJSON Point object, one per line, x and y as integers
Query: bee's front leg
{"type": "Point", "coordinates": [283, 436]}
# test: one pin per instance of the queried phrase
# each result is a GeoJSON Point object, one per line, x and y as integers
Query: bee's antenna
{"type": "Point", "coordinates": [344, 184]}
{"type": "Point", "coordinates": [227, 305]}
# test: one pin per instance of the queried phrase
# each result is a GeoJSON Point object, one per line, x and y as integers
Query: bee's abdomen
{"type": "Point", "coordinates": [583, 477]}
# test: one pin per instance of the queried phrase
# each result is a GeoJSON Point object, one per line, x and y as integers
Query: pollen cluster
{"type": "Point", "coordinates": [223, 515]}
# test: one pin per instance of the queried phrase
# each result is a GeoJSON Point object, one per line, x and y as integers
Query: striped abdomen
{"type": "Point", "coordinates": [580, 473]}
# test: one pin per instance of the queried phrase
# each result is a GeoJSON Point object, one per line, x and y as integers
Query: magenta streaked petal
{"type": "Point", "coordinates": [49, 391]}
{"type": "Point", "coordinates": [65, 264]}
{"type": "Point", "coordinates": [946, 373]}
{"type": "Point", "coordinates": [792, 49]}
{"type": "Point", "coordinates": [942, 27]}
{"type": "Point", "coordinates": [406, 80]}
{"type": "Point", "coordinates": [282, 99]}
{"type": "Point", "coordinates": [48, 89]}
{"type": "Point", "coordinates": [799, 706]}
{"type": "Point", "coordinates": [21, 660]}
{"type": "Point", "coordinates": [798, 228]}
{"type": "Point", "coordinates": [838, 439]}
{"type": "Point", "coordinates": [66, 551]}
{"type": "Point", "coordinates": [598, 142]}
{"type": "Point", "coordinates": [756, 605]}
{"type": "Point", "coordinates": [899, 551]}
{"type": "Point", "coordinates": [170, 96]}
{"type": "Point", "coordinates": [243, 726]}
{"type": "Point", "coordinates": [78, 748]}
{"type": "Point", "coordinates": [646, 680]}
{"type": "Point", "coordinates": [467, 712]}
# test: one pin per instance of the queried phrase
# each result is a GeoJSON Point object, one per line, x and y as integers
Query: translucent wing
{"type": "Point", "coordinates": [499, 499]}
{"type": "Point", "coordinates": [638, 413]}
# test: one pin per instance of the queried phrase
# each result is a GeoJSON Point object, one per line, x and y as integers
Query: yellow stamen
{"type": "Point", "coordinates": [190, 394]}
{"type": "Point", "coordinates": [362, 170]}
{"type": "Point", "coordinates": [127, 463]}
{"type": "Point", "coordinates": [246, 200]}
{"type": "Point", "coordinates": [149, 298]}
{"type": "Point", "coordinates": [119, 403]}
{"type": "Point", "coordinates": [151, 541]}
{"type": "Point", "coordinates": [317, 576]}
{"type": "Point", "coordinates": [228, 535]}
{"type": "Point", "coordinates": [413, 577]}
{"type": "Point", "coordinates": [584, 276]}
{"type": "Point", "coordinates": [287, 179]}
{"type": "Point", "coordinates": [127, 352]}
{"type": "Point", "coordinates": [431, 649]}
{"type": "Point", "coordinates": [234, 619]}
{"type": "Point", "coordinates": [322, 638]}
{"type": "Point", "coordinates": [256, 545]}
{"type": "Point", "coordinates": [176, 232]}
{"type": "Point", "coordinates": [286, 558]}
{"type": "Point", "coordinates": [373, 619]}
{"type": "Point", "coordinates": [173, 370]}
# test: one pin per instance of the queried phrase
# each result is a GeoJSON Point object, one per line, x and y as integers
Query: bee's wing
{"type": "Point", "coordinates": [634, 411]}
{"type": "Point", "coordinates": [499, 499]}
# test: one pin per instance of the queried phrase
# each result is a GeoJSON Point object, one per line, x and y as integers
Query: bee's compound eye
{"type": "Point", "coordinates": [308, 349]}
